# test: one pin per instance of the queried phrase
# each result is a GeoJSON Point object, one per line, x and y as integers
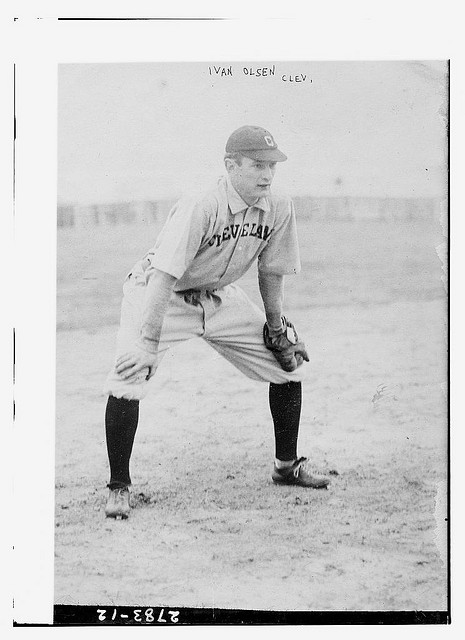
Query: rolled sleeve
{"type": "Point", "coordinates": [180, 238]}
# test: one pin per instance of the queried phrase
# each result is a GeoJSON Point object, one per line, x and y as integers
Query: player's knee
{"type": "Point", "coordinates": [119, 388]}
{"type": "Point", "coordinates": [282, 377]}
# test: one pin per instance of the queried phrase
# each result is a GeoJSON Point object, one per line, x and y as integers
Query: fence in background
{"type": "Point", "coordinates": [312, 208]}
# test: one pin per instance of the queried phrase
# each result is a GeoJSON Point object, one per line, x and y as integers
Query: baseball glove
{"type": "Point", "coordinates": [286, 347]}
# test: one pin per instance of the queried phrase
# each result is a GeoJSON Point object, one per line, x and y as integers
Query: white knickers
{"type": "Point", "coordinates": [226, 319]}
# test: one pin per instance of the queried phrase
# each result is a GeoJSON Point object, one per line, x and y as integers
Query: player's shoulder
{"type": "Point", "coordinates": [281, 203]}
{"type": "Point", "coordinates": [206, 196]}
{"type": "Point", "coordinates": [281, 198]}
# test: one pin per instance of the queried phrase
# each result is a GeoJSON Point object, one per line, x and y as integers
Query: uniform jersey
{"type": "Point", "coordinates": [210, 242]}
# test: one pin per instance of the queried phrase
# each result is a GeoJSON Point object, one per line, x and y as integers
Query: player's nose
{"type": "Point", "coordinates": [267, 174]}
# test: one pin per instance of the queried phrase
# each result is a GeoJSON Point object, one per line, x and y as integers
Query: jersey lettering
{"type": "Point", "coordinates": [234, 231]}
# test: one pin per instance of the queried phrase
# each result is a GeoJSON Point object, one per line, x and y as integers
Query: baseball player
{"type": "Point", "coordinates": [185, 287]}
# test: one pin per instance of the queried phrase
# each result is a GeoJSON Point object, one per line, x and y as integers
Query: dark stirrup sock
{"type": "Point", "coordinates": [285, 406]}
{"type": "Point", "coordinates": [121, 419]}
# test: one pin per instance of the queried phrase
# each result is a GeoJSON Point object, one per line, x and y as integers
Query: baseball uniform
{"type": "Point", "coordinates": [186, 287]}
{"type": "Point", "coordinates": [208, 244]}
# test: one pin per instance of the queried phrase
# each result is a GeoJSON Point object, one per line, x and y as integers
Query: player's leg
{"type": "Point", "coordinates": [121, 420]}
{"type": "Point", "coordinates": [235, 330]}
{"type": "Point", "coordinates": [181, 322]}
{"type": "Point", "coordinates": [285, 402]}
{"type": "Point", "coordinates": [285, 406]}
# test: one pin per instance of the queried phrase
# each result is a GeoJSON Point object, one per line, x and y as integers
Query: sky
{"type": "Point", "coordinates": [157, 130]}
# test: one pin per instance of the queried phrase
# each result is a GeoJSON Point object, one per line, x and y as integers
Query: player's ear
{"type": "Point", "coordinates": [230, 164]}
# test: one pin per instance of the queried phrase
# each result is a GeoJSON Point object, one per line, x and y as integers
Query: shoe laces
{"type": "Point", "coordinates": [120, 492]}
{"type": "Point", "coordinates": [299, 464]}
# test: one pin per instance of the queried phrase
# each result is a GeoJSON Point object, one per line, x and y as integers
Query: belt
{"type": "Point", "coordinates": [193, 296]}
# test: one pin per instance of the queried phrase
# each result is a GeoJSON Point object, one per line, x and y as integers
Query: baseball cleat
{"type": "Point", "coordinates": [298, 475]}
{"type": "Point", "coordinates": [118, 504]}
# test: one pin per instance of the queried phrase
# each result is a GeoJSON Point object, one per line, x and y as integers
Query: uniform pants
{"type": "Point", "coordinates": [225, 318]}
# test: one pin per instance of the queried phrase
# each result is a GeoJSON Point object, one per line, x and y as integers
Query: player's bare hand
{"type": "Point", "coordinates": [131, 363]}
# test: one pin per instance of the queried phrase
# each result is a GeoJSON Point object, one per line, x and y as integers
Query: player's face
{"type": "Point", "coordinates": [252, 178]}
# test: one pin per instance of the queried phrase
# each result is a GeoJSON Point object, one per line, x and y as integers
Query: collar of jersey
{"type": "Point", "coordinates": [237, 204]}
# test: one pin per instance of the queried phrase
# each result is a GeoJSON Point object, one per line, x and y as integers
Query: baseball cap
{"type": "Point", "coordinates": [255, 143]}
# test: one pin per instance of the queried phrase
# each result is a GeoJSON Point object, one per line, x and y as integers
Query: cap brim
{"type": "Point", "coordinates": [265, 155]}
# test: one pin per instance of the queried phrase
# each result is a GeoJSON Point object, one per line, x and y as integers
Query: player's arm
{"type": "Point", "coordinates": [271, 287]}
{"type": "Point", "coordinates": [279, 335]}
{"type": "Point", "coordinates": [144, 355]}
{"type": "Point", "coordinates": [279, 257]}
{"type": "Point", "coordinates": [176, 246]}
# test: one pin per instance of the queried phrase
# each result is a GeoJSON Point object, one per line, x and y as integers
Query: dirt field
{"type": "Point", "coordinates": [209, 528]}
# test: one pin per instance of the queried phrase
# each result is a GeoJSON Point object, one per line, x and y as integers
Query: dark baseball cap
{"type": "Point", "coordinates": [255, 143]}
